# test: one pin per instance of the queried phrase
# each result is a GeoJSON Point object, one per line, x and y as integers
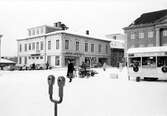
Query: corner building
{"type": "Point", "coordinates": [57, 46]}
{"type": "Point", "coordinates": [149, 30]}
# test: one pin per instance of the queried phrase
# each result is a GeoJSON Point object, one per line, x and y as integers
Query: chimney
{"type": "Point", "coordinates": [57, 24]}
{"type": "Point", "coordinates": [87, 32]}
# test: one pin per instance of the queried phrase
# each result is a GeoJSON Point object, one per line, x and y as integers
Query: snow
{"type": "Point", "coordinates": [109, 93]}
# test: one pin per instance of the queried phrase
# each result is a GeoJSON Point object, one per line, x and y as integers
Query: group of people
{"type": "Point", "coordinates": [71, 69]}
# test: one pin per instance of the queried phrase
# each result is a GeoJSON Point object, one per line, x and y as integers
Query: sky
{"type": "Point", "coordinates": [101, 17]}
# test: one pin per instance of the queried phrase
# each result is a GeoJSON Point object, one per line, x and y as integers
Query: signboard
{"type": "Point", "coordinates": [74, 54]}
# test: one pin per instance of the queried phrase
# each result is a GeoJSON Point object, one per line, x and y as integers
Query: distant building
{"type": "Point", "coordinates": [150, 29]}
{"type": "Point", "coordinates": [117, 46]}
{"type": "Point", "coordinates": [56, 45]}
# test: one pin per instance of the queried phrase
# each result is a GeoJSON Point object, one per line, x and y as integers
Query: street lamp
{"type": "Point", "coordinates": [60, 83]}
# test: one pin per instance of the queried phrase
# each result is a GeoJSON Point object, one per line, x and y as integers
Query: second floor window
{"type": "Point", "coordinates": [92, 47]}
{"type": "Point", "coordinates": [49, 45]}
{"type": "Point", "coordinates": [29, 46]}
{"type": "Point", "coordinates": [132, 36]}
{"type": "Point", "coordinates": [20, 48]}
{"type": "Point", "coordinates": [77, 46]}
{"type": "Point", "coordinates": [41, 45]}
{"type": "Point", "coordinates": [25, 47]}
{"type": "Point", "coordinates": [106, 49]}
{"type": "Point", "coordinates": [150, 34]}
{"type": "Point", "coordinates": [33, 46]}
{"type": "Point", "coordinates": [37, 46]}
{"type": "Point", "coordinates": [66, 44]}
{"type": "Point", "coordinates": [141, 35]}
{"type": "Point", "coordinates": [57, 44]}
{"type": "Point", "coordinates": [86, 47]}
{"type": "Point", "coordinates": [99, 48]}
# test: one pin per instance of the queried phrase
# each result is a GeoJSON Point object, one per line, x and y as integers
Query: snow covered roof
{"type": "Point", "coordinates": [72, 33]}
{"type": "Point", "coordinates": [7, 61]}
{"type": "Point", "coordinates": [147, 49]}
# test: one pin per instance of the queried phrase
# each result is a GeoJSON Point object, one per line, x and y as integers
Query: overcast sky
{"type": "Point", "coordinates": [99, 16]}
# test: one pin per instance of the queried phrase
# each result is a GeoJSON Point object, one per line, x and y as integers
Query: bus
{"type": "Point", "coordinates": [149, 63]}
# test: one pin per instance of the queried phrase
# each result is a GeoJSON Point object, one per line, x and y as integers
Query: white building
{"type": "Point", "coordinates": [47, 44]}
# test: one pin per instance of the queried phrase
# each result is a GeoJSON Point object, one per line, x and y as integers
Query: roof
{"type": "Point", "coordinates": [6, 61]}
{"type": "Point", "coordinates": [147, 49]}
{"type": "Point", "coordinates": [150, 17]}
{"type": "Point", "coordinates": [71, 33]}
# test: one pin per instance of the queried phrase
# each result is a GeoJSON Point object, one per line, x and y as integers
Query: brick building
{"type": "Point", "coordinates": [150, 29]}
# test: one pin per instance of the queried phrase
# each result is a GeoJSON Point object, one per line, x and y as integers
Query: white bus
{"type": "Point", "coordinates": [147, 63]}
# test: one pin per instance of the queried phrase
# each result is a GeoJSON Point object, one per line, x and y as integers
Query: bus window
{"type": "Point", "coordinates": [149, 61]}
{"type": "Point", "coordinates": [161, 61]}
{"type": "Point", "coordinates": [134, 61]}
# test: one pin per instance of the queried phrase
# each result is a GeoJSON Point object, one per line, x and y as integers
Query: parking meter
{"type": "Point", "coordinates": [61, 83]}
{"type": "Point", "coordinates": [51, 81]}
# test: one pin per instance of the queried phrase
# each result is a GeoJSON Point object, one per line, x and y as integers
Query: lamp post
{"type": "Point", "coordinates": [60, 83]}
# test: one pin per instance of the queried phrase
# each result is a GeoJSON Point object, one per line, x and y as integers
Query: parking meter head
{"type": "Point", "coordinates": [51, 80]}
{"type": "Point", "coordinates": [61, 81]}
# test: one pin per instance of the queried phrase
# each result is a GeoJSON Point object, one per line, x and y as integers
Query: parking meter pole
{"type": "Point", "coordinates": [55, 113]}
{"type": "Point", "coordinates": [61, 83]}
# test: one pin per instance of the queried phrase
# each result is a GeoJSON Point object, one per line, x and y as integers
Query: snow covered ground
{"type": "Point", "coordinates": [25, 93]}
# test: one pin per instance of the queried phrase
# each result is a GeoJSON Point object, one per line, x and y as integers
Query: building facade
{"type": "Point", "coordinates": [117, 46]}
{"type": "Point", "coordinates": [57, 47]}
{"type": "Point", "coordinates": [150, 29]}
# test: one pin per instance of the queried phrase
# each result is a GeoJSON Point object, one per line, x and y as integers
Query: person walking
{"type": "Point", "coordinates": [70, 70]}
{"type": "Point", "coordinates": [104, 66]}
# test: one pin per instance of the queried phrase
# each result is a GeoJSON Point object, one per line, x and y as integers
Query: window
{"type": "Point", "coordinates": [25, 47]}
{"type": "Point", "coordinates": [20, 60]}
{"type": "Point", "coordinates": [86, 47]}
{"type": "Point", "coordinates": [41, 30]}
{"type": "Point", "coordinates": [29, 46]}
{"type": "Point", "coordinates": [57, 60]}
{"type": "Point", "coordinates": [41, 45]}
{"type": "Point", "coordinates": [57, 44]}
{"type": "Point", "coordinates": [49, 45]}
{"type": "Point", "coordinates": [33, 32]}
{"type": "Point", "coordinates": [106, 49]}
{"type": "Point", "coordinates": [33, 45]}
{"type": "Point", "coordinates": [20, 48]}
{"type": "Point", "coordinates": [77, 46]}
{"type": "Point", "coordinates": [92, 47]}
{"type": "Point", "coordinates": [99, 48]}
{"type": "Point", "coordinates": [141, 35]}
{"type": "Point", "coordinates": [150, 34]}
{"type": "Point", "coordinates": [25, 60]}
{"type": "Point", "coordinates": [164, 32]}
{"type": "Point", "coordinates": [149, 61]}
{"type": "Point", "coordinates": [41, 57]}
{"type": "Point", "coordinates": [66, 44]}
{"type": "Point", "coordinates": [132, 36]}
{"type": "Point", "coordinates": [29, 32]}
{"type": "Point", "coordinates": [37, 46]}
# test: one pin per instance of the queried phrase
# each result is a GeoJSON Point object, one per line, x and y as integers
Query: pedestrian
{"type": "Point", "coordinates": [104, 66]}
{"type": "Point", "coordinates": [70, 70]}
